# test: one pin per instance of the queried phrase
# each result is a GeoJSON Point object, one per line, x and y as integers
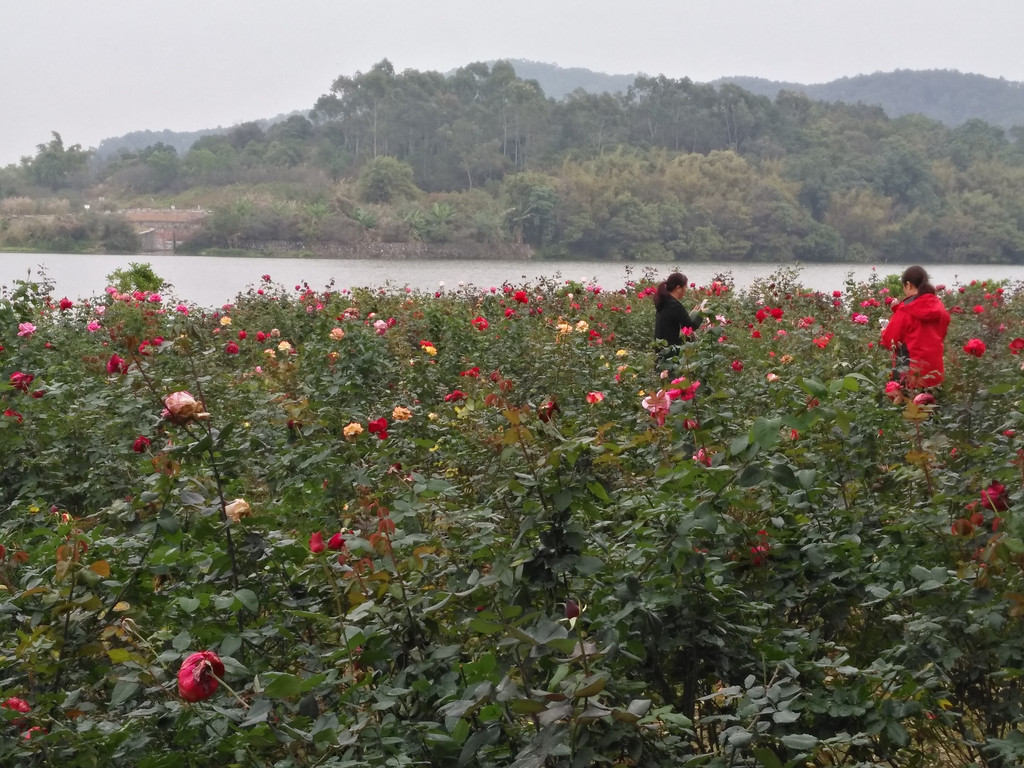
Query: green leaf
{"type": "Point", "coordinates": [258, 712]}
{"type": "Point", "coordinates": [598, 490]}
{"type": "Point", "coordinates": [119, 655]}
{"type": "Point", "coordinates": [284, 686]}
{"type": "Point", "coordinates": [812, 386]}
{"type": "Point", "coordinates": [188, 604]}
{"type": "Point", "coordinates": [739, 444]}
{"type": "Point", "coordinates": [592, 685]}
{"type": "Point", "coordinates": [123, 690]}
{"type": "Point", "coordinates": [751, 475]}
{"type": "Point", "coordinates": [800, 741]}
{"type": "Point", "coordinates": [806, 477]}
{"type": "Point", "coordinates": [765, 432]}
{"type": "Point", "coordinates": [785, 477]}
{"type": "Point", "coordinates": [248, 598]}
{"type": "Point", "coordinates": [766, 757]}
{"type": "Point", "coordinates": [485, 627]}
{"type": "Point", "coordinates": [843, 421]}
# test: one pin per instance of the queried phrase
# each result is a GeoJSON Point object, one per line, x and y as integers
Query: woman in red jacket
{"type": "Point", "coordinates": [917, 331]}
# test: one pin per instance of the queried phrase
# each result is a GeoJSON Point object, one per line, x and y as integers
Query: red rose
{"type": "Point", "coordinates": [379, 427]}
{"type": "Point", "coordinates": [17, 705]}
{"type": "Point", "coordinates": [336, 542]}
{"type": "Point", "coordinates": [1016, 346]}
{"type": "Point", "coordinates": [994, 497]}
{"type": "Point", "coordinates": [21, 380]}
{"type": "Point", "coordinates": [975, 347]}
{"type": "Point", "coordinates": [509, 312]}
{"type": "Point", "coordinates": [480, 323]}
{"type": "Point", "coordinates": [116, 364]}
{"type": "Point", "coordinates": [546, 411]}
{"type": "Point", "coordinates": [737, 365]}
{"type": "Point", "coordinates": [141, 444]}
{"type": "Point", "coordinates": [454, 396]}
{"type": "Point", "coordinates": [66, 304]}
{"type": "Point", "coordinates": [521, 297]}
{"type": "Point", "coordinates": [316, 543]}
{"type": "Point", "coordinates": [231, 348]}
{"type": "Point", "coordinates": [242, 335]}
{"type": "Point", "coordinates": [198, 676]}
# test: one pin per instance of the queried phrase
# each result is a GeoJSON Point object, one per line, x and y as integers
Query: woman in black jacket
{"type": "Point", "coordinates": [671, 316]}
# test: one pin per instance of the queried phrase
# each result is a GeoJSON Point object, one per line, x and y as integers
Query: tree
{"type": "Point", "coordinates": [386, 180]}
{"type": "Point", "coordinates": [53, 165]}
{"type": "Point", "coordinates": [532, 200]}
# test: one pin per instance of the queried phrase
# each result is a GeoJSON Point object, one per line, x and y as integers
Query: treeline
{"type": "Point", "coordinates": [670, 169]}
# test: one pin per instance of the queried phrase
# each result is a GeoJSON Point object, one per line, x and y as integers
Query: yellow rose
{"type": "Point", "coordinates": [353, 429]}
{"type": "Point", "coordinates": [582, 326]}
{"type": "Point", "coordinates": [284, 346]}
{"type": "Point", "coordinates": [430, 350]}
{"type": "Point", "coordinates": [337, 334]}
{"type": "Point", "coordinates": [621, 353]}
{"type": "Point", "coordinates": [225, 320]}
{"type": "Point", "coordinates": [401, 414]}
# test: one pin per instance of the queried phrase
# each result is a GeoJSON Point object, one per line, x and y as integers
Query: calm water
{"type": "Point", "coordinates": [211, 281]}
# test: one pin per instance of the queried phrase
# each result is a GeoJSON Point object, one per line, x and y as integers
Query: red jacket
{"type": "Point", "coordinates": [920, 323]}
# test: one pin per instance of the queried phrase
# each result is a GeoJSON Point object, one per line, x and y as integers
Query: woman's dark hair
{"type": "Point", "coordinates": [918, 278]}
{"type": "Point", "coordinates": [671, 283]}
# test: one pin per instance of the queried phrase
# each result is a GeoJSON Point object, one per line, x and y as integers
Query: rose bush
{"type": "Point", "coordinates": [550, 555]}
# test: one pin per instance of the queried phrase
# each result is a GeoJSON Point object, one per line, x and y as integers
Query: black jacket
{"type": "Point", "coordinates": [672, 316]}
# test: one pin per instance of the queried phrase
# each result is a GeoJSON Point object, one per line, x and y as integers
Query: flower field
{"type": "Point", "coordinates": [478, 527]}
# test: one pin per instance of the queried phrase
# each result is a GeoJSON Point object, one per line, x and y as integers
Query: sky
{"type": "Point", "coordinates": [91, 71]}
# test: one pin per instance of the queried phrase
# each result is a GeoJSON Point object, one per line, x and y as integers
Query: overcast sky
{"type": "Point", "coordinates": [91, 71]}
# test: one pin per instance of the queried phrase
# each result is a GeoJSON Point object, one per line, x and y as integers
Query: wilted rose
{"type": "Point", "coordinates": [181, 407]}
{"type": "Point", "coordinates": [237, 509]}
{"type": "Point", "coordinates": [199, 675]}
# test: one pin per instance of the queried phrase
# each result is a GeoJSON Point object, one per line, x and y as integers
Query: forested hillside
{"type": "Point", "coordinates": [668, 169]}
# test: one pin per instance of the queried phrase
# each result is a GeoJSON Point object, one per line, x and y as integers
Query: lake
{"type": "Point", "coordinates": [211, 281]}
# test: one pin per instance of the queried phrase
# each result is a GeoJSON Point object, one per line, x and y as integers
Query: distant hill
{"type": "Point", "coordinates": [558, 82]}
{"type": "Point", "coordinates": [945, 95]}
{"type": "Point", "coordinates": [180, 140]}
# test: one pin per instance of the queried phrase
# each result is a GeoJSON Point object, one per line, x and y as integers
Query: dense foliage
{"type": "Point", "coordinates": [382, 528]}
{"type": "Point", "coordinates": [669, 169]}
